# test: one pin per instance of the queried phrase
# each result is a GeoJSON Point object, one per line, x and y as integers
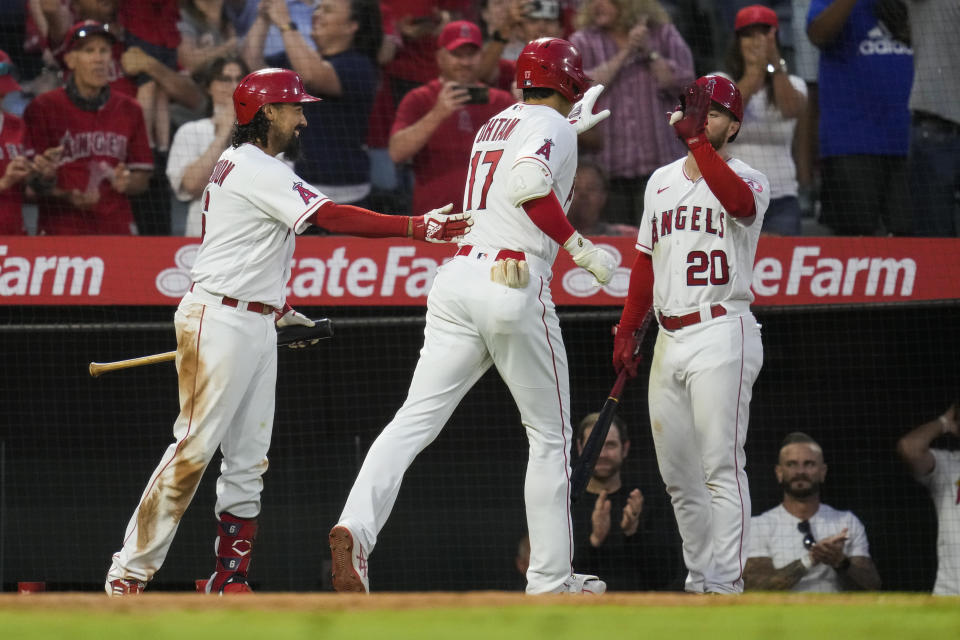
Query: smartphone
{"type": "Point", "coordinates": [478, 95]}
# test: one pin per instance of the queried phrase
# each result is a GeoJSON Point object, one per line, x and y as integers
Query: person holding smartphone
{"type": "Point", "coordinates": [436, 123]}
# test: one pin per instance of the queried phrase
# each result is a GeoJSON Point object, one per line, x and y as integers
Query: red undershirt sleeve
{"type": "Point", "coordinates": [733, 193]}
{"type": "Point", "coordinates": [355, 221]}
{"type": "Point", "coordinates": [549, 217]}
{"type": "Point", "coordinates": [640, 293]}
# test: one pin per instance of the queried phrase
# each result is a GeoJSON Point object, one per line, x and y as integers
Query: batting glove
{"type": "Point", "coordinates": [626, 351]}
{"type": "Point", "coordinates": [592, 258]}
{"type": "Point", "coordinates": [582, 116]}
{"type": "Point", "coordinates": [434, 226]}
{"type": "Point", "coordinates": [287, 317]}
{"type": "Point", "coordinates": [690, 118]}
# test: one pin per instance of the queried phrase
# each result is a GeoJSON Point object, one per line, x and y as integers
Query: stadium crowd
{"type": "Point", "coordinates": [113, 109]}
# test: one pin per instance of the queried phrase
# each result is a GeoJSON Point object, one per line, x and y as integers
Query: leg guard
{"type": "Point", "coordinates": [233, 547]}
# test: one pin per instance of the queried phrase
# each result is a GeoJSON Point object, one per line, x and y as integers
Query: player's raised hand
{"type": "Point", "coordinates": [690, 119]}
{"type": "Point", "coordinates": [592, 258]}
{"type": "Point", "coordinates": [582, 116]}
{"type": "Point", "coordinates": [626, 351]}
{"type": "Point", "coordinates": [435, 226]}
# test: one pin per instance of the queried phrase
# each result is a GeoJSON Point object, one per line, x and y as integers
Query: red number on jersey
{"type": "Point", "coordinates": [493, 159]}
{"type": "Point", "coordinates": [700, 264]}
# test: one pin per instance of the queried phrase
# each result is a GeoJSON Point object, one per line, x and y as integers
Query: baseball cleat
{"type": "Point", "coordinates": [120, 587]}
{"type": "Point", "coordinates": [234, 584]}
{"type": "Point", "coordinates": [579, 583]}
{"type": "Point", "coordinates": [349, 569]}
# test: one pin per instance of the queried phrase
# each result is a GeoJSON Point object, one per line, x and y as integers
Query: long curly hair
{"type": "Point", "coordinates": [255, 131]}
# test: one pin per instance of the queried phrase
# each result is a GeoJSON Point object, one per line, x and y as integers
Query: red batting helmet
{"type": "Point", "coordinates": [725, 93]}
{"type": "Point", "coordinates": [268, 86]}
{"type": "Point", "coordinates": [552, 63]}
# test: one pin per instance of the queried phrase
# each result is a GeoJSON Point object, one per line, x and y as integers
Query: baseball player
{"type": "Point", "coordinates": [106, 156]}
{"type": "Point", "coordinates": [491, 305]}
{"type": "Point", "coordinates": [701, 221]}
{"type": "Point", "coordinates": [226, 341]}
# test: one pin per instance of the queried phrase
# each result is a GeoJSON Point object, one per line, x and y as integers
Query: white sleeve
{"type": "Point", "coordinates": [759, 538]}
{"type": "Point", "coordinates": [188, 145]}
{"type": "Point", "coordinates": [760, 187]}
{"type": "Point", "coordinates": [857, 544]}
{"type": "Point", "coordinates": [284, 195]}
{"type": "Point", "coordinates": [645, 236]}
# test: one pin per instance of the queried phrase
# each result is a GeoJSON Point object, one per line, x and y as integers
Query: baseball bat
{"type": "Point", "coordinates": [322, 328]}
{"type": "Point", "coordinates": [583, 469]}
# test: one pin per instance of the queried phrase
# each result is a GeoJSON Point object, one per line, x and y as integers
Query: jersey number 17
{"type": "Point", "coordinates": [491, 158]}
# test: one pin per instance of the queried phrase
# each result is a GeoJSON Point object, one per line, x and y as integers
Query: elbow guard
{"type": "Point", "coordinates": [528, 181]}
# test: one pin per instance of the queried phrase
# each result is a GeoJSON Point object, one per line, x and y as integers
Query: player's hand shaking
{"type": "Point", "coordinates": [690, 119]}
{"type": "Point", "coordinates": [435, 226]}
{"type": "Point", "coordinates": [582, 116]}
{"type": "Point", "coordinates": [592, 258]}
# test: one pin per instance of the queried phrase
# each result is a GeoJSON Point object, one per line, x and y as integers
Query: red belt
{"type": "Point", "coordinates": [255, 307]}
{"type": "Point", "coordinates": [672, 323]}
{"type": "Point", "coordinates": [503, 254]}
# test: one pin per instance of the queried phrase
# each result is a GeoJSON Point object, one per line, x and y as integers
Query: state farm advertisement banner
{"type": "Point", "coordinates": [357, 272]}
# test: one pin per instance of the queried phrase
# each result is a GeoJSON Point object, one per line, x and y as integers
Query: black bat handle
{"type": "Point", "coordinates": [583, 469]}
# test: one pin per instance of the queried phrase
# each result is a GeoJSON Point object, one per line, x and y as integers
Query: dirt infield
{"type": "Point", "coordinates": [432, 600]}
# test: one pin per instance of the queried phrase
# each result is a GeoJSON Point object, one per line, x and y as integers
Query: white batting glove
{"type": "Point", "coordinates": [582, 116]}
{"type": "Point", "coordinates": [434, 226]}
{"type": "Point", "coordinates": [289, 317]}
{"type": "Point", "coordinates": [592, 258]}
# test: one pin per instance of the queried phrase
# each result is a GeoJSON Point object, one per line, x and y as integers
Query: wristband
{"type": "Point", "coordinates": [806, 561]}
{"type": "Point", "coordinates": [290, 26]}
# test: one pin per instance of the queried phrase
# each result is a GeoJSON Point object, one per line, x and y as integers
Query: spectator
{"type": "Point", "coordinates": [198, 144]}
{"type": "Point", "coordinates": [939, 471]}
{"type": "Point", "coordinates": [935, 104]}
{"type": "Point", "coordinates": [266, 41]}
{"type": "Point", "coordinates": [15, 167]}
{"type": "Point", "coordinates": [631, 48]}
{"type": "Point", "coordinates": [773, 100]}
{"type": "Point", "coordinates": [151, 25]}
{"type": "Point", "coordinates": [436, 123]}
{"type": "Point", "coordinates": [343, 70]}
{"type": "Point", "coordinates": [865, 77]}
{"type": "Point", "coordinates": [531, 20]}
{"type": "Point", "coordinates": [206, 34]}
{"type": "Point", "coordinates": [620, 533]}
{"type": "Point", "coordinates": [106, 157]}
{"type": "Point", "coordinates": [806, 144]}
{"type": "Point", "coordinates": [803, 544]}
{"type": "Point", "coordinates": [589, 204]}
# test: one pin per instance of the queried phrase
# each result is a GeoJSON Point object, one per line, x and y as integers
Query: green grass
{"type": "Point", "coordinates": [924, 619]}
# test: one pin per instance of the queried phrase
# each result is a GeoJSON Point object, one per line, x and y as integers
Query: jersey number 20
{"type": "Point", "coordinates": [493, 159]}
{"type": "Point", "coordinates": [707, 269]}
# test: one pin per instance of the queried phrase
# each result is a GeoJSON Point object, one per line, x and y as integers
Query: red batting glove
{"type": "Point", "coordinates": [434, 226]}
{"type": "Point", "coordinates": [690, 119]}
{"type": "Point", "coordinates": [626, 351]}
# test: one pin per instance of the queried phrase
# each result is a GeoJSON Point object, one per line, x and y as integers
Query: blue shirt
{"type": "Point", "coordinates": [332, 145]}
{"type": "Point", "coordinates": [865, 79]}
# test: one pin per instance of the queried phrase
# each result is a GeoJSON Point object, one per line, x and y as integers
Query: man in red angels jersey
{"type": "Point", "coordinates": [702, 216]}
{"type": "Point", "coordinates": [105, 156]}
{"type": "Point", "coordinates": [15, 167]}
{"type": "Point", "coordinates": [253, 207]}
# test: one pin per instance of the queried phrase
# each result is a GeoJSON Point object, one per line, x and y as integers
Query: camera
{"type": "Point", "coordinates": [543, 10]}
{"type": "Point", "coordinates": [478, 94]}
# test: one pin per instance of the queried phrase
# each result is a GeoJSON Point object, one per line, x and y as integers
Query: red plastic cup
{"type": "Point", "coordinates": [201, 585]}
{"type": "Point", "coordinates": [31, 587]}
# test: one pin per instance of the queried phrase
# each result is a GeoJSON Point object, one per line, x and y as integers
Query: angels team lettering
{"type": "Point", "coordinates": [93, 143]}
{"type": "Point", "coordinates": [497, 129]}
{"type": "Point", "coordinates": [686, 218]}
{"type": "Point", "coordinates": [220, 172]}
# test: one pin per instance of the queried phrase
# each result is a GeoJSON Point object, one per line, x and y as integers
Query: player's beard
{"type": "Point", "coordinates": [813, 489]}
{"type": "Point", "coordinates": [717, 140]}
{"type": "Point", "coordinates": [291, 150]}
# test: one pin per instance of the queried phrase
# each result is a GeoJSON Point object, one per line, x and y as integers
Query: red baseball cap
{"type": "Point", "coordinates": [7, 82]}
{"type": "Point", "coordinates": [756, 14]}
{"type": "Point", "coordinates": [83, 30]}
{"type": "Point", "coordinates": [458, 33]}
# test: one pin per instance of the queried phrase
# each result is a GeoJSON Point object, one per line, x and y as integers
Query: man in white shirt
{"type": "Point", "coordinates": [803, 544]}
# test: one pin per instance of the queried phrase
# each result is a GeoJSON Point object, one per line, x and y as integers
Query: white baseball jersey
{"type": "Point", "coordinates": [250, 206]}
{"type": "Point", "coordinates": [701, 255]}
{"type": "Point", "coordinates": [520, 133]}
{"type": "Point", "coordinates": [774, 535]}
{"type": "Point", "coordinates": [474, 323]}
{"type": "Point", "coordinates": [944, 485]}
